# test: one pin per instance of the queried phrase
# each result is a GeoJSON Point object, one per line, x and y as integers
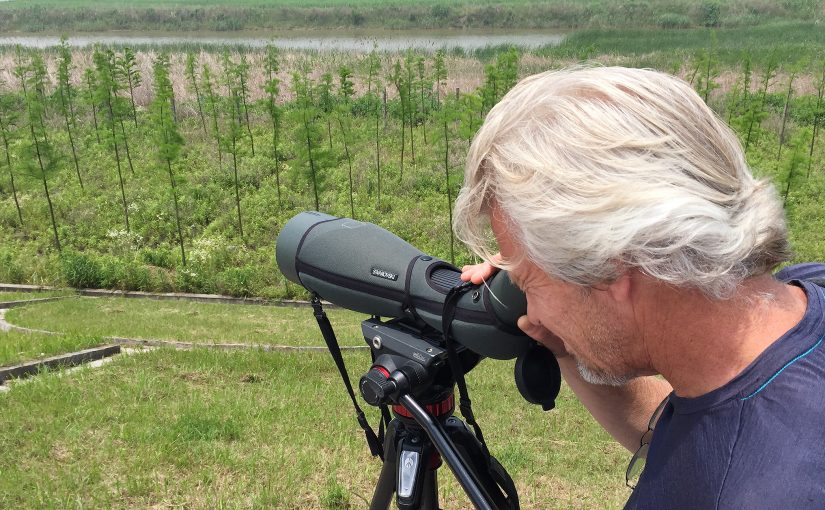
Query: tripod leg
{"type": "Point", "coordinates": [471, 451]}
{"type": "Point", "coordinates": [429, 491]}
{"type": "Point", "coordinates": [385, 487]}
{"type": "Point", "coordinates": [415, 483]}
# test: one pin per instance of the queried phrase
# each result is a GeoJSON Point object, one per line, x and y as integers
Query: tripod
{"type": "Point", "coordinates": [416, 440]}
{"type": "Point", "coordinates": [419, 437]}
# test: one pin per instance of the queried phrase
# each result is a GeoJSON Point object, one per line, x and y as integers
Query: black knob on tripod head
{"type": "Point", "coordinates": [376, 387]}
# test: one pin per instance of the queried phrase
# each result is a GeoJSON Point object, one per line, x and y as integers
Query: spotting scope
{"type": "Point", "coordinates": [362, 267]}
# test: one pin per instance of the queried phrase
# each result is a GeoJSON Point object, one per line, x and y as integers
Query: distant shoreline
{"type": "Point", "coordinates": [345, 40]}
{"type": "Point", "coordinates": [94, 16]}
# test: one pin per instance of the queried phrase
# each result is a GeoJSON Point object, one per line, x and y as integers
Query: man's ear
{"type": "Point", "coordinates": [620, 290]}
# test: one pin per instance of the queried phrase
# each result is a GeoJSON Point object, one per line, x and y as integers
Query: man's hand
{"type": "Point", "coordinates": [479, 273]}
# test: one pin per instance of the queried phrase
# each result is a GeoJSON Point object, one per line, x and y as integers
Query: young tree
{"type": "Point", "coordinates": [8, 119]}
{"type": "Point", "coordinates": [32, 79]}
{"type": "Point", "coordinates": [740, 100]}
{"type": "Point", "coordinates": [191, 65]}
{"type": "Point", "coordinates": [66, 93]}
{"type": "Point", "coordinates": [212, 104]}
{"type": "Point", "coordinates": [757, 112]}
{"type": "Point", "coordinates": [507, 64]}
{"type": "Point", "coordinates": [439, 75]}
{"type": "Point", "coordinates": [326, 102]}
{"type": "Point", "coordinates": [396, 77]}
{"type": "Point", "coordinates": [168, 141]}
{"type": "Point", "coordinates": [273, 88]}
{"type": "Point", "coordinates": [468, 108]}
{"type": "Point", "coordinates": [409, 78]}
{"type": "Point", "coordinates": [707, 70]}
{"type": "Point", "coordinates": [308, 136]}
{"type": "Point", "coordinates": [346, 90]}
{"type": "Point", "coordinates": [489, 91]}
{"type": "Point", "coordinates": [819, 112]}
{"type": "Point", "coordinates": [793, 70]}
{"type": "Point", "coordinates": [241, 71]}
{"type": "Point", "coordinates": [796, 160]}
{"type": "Point", "coordinates": [126, 66]}
{"type": "Point", "coordinates": [106, 96]}
{"type": "Point", "coordinates": [446, 116]}
{"type": "Point", "coordinates": [499, 77]}
{"type": "Point", "coordinates": [234, 128]}
{"type": "Point", "coordinates": [91, 86]}
{"type": "Point", "coordinates": [122, 106]}
{"type": "Point", "coordinates": [373, 86]}
{"type": "Point", "coordinates": [422, 85]}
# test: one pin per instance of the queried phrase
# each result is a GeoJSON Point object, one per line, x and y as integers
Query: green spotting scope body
{"type": "Point", "coordinates": [363, 267]}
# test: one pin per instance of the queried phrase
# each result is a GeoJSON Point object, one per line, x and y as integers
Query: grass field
{"type": "Point", "coordinates": [205, 429]}
{"type": "Point", "coordinates": [187, 322]}
{"type": "Point", "coordinates": [249, 429]}
{"type": "Point", "coordinates": [669, 49]}
{"type": "Point", "coordinates": [16, 347]}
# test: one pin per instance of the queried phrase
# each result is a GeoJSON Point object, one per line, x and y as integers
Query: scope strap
{"type": "Point", "coordinates": [373, 441]}
{"type": "Point", "coordinates": [494, 467]}
{"type": "Point", "coordinates": [385, 412]}
{"type": "Point", "coordinates": [466, 406]}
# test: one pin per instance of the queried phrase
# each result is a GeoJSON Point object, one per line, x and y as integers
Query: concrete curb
{"type": "Point", "coordinates": [168, 296]}
{"type": "Point", "coordinates": [226, 347]}
{"type": "Point", "coordinates": [14, 287]}
{"type": "Point", "coordinates": [7, 326]}
{"type": "Point", "coordinates": [15, 304]}
{"type": "Point", "coordinates": [139, 342]}
{"type": "Point", "coordinates": [30, 368]}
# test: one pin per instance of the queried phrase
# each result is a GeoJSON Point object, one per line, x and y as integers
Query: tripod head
{"type": "Point", "coordinates": [408, 361]}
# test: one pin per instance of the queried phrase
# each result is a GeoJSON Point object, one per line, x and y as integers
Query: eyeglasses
{"type": "Point", "coordinates": [637, 463]}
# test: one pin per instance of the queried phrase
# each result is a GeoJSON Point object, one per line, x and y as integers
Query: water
{"type": "Point", "coordinates": [385, 40]}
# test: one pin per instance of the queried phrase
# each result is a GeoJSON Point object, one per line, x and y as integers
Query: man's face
{"type": "Point", "coordinates": [586, 320]}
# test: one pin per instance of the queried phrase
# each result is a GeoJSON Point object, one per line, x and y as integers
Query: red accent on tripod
{"type": "Point", "coordinates": [437, 409]}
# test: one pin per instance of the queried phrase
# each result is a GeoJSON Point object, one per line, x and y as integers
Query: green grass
{"type": "Point", "coordinates": [254, 3]}
{"type": "Point", "coordinates": [665, 48]}
{"type": "Point", "coordinates": [206, 429]}
{"type": "Point", "coordinates": [193, 15]}
{"type": "Point", "coordinates": [5, 297]}
{"type": "Point", "coordinates": [17, 347]}
{"type": "Point", "coordinates": [187, 322]}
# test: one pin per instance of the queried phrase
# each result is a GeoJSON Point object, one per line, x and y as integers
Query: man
{"type": "Point", "coordinates": [625, 210]}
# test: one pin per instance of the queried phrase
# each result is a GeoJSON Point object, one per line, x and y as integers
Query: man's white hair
{"type": "Point", "coordinates": [601, 169]}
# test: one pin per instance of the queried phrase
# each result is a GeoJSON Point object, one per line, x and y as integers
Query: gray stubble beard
{"type": "Point", "coordinates": [600, 378]}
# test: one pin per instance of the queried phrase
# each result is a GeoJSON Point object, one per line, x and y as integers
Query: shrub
{"type": "Point", "coordinates": [673, 20]}
{"type": "Point", "coordinates": [194, 279]}
{"type": "Point", "coordinates": [711, 14]}
{"type": "Point", "coordinates": [160, 257]}
{"type": "Point", "coordinates": [80, 270]}
{"type": "Point", "coordinates": [10, 269]}
{"type": "Point", "coordinates": [238, 281]}
{"type": "Point", "coordinates": [136, 276]}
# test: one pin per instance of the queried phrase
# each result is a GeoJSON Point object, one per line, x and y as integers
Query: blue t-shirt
{"type": "Point", "coordinates": [758, 442]}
